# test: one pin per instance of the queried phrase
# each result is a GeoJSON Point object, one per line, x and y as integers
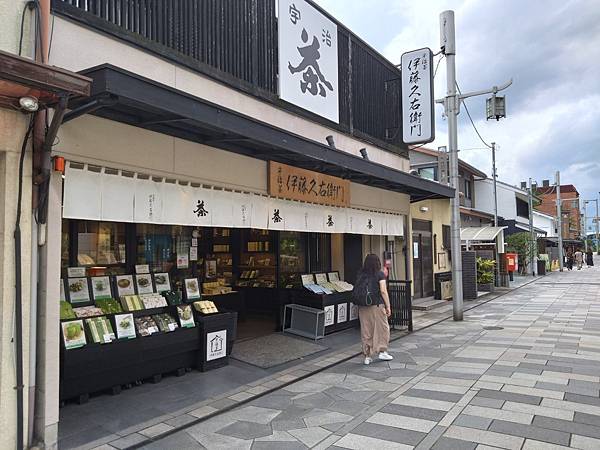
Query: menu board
{"type": "Point", "coordinates": [321, 278]}
{"type": "Point", "coordinates": [307, 278]}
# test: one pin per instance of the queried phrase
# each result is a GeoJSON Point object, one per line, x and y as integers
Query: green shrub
{"type": "Point", "coordinates": [485, 271]}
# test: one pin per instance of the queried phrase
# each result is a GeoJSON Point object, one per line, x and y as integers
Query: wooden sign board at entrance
{"type": "Point", "coordinates": [300, 184]}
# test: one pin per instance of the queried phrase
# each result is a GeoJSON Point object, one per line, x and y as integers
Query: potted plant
{"type": "Point", "coordinates": [485, 274]}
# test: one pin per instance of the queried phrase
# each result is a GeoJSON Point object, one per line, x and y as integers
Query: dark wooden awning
{"type": "Point", "coordinates": [129, 98]}
{"type": "Point", "coordinates": [21, 77]}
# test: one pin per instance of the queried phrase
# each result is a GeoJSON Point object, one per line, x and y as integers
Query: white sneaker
{"type": "Point", "coordinates": [385, 356]}
{"type": "Point", "coordinates": [367, 361]}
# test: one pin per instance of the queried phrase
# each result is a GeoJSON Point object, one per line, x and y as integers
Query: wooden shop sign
{"type": "Point", "coordinates": [305, 185]}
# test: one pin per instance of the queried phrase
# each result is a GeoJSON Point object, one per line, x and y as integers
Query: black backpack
{"type": "Point", "coordinates": [361, 293]}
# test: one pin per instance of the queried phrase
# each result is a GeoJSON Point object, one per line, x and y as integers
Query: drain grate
{"type": "Point", "coordinates": [493, 328]}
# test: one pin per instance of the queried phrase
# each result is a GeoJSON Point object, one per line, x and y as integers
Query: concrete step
{"type": "Point", "coordinates": [426, 304]}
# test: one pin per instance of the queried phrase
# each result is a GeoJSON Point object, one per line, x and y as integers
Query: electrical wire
{"type": "Point", "coordinates": [471, 119]}
{"type": "Point", "coordinates": [437, 65]}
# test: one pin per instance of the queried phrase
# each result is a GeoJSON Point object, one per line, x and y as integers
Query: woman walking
{"type": "Point", "coordinates": [374, 327]}
{"type": "Point", "coordinates": [589, 256]}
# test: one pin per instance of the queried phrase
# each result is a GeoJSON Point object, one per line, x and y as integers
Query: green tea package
{"type": "Point", "coordinates": [125, 326]}
{"type": "Point", "coordinates": [100, 329]}
{"type": "Point", "coordinates": [66, 311]}
{"type": "Point", "coordinates": [109, 306]}
{"type": "Point", "coordinates": [186, 316]}
{"type": "Point", "coordinates": [73, 334]}
{"type": "Point", "coordinates": [165, 322]}
{"type": "Point", "coordinates": [131, 303]}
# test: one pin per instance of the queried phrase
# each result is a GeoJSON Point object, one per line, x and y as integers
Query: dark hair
{"type": "Point", "coordinates": [372, 264]}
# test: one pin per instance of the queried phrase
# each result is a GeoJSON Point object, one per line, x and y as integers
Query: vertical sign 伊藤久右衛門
{"type": "Point", "coordinates": [418, 125]}
{"type": "Point", "coordinates": [308, 59]}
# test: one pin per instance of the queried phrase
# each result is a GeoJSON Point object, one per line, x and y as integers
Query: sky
{"type": "Point", "coordinates": [550, 48]}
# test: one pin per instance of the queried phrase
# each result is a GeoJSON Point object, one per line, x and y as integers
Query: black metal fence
{"type": "Point", "coordinates": [401, 303]}
{"type": "Point", "coordinates": [235, 41]}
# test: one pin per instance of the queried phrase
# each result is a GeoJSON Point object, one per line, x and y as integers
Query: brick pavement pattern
{"type": "Point", "coordinates": [520, 372]}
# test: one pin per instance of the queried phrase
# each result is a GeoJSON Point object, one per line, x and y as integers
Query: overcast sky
{"type": "Point", "coordinates": [551, 50]}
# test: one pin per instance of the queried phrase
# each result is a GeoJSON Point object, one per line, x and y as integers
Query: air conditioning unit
{"type": "Point", "coordinates": [446, 288]}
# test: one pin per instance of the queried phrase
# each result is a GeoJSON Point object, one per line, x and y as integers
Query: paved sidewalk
{"type": "Point", "coordinates": [520, 372]}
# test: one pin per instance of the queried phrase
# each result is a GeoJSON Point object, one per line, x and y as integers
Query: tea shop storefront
{"type": "Point", "coordinates": [166, 192]}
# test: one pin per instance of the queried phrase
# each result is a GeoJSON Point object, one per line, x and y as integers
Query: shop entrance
{"type": "Point", "coordinates": [422, 258]}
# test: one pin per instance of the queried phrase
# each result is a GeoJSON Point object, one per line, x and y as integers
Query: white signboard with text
{"type": "Point", "coordinates": [417, 97]}
{"type": "Point", "coordinates": [216, 345]}
{"type": "Point", "coordinates": [308, 59]}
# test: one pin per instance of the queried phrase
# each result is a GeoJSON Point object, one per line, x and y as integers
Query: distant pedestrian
{"type": "Point", "coordinates": [570, 259]}
{"type": "Point", "coordinates": [370, 293]}
{"type": "Point", "coordinates": [579, 259]}
{"type": "Point", "coordinates": [589, 256]}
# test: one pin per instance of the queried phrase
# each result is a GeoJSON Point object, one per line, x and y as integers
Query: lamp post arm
{"type": "Point", "coordinates": [493, 90]}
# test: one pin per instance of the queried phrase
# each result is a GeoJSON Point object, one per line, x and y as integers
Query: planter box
{"type": "Point", "coordinates": [486, 287]}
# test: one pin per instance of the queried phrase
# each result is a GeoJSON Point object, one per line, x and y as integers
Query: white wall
{"type": "Point", "coordinates": [544, 222]}
{"type": "Point", "coordinates": [94, 48]}
{"type": "Point", "coordinates": [484, 199]}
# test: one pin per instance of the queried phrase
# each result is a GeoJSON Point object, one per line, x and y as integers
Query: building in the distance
{"type": "Point", "coordinates": [570, 206]}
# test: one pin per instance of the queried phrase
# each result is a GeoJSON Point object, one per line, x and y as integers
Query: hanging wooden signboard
{"type": "Point", "coordinates": [300, 184]}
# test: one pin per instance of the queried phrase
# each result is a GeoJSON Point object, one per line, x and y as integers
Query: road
{"type": "Point", "coordinates": [520, 372]}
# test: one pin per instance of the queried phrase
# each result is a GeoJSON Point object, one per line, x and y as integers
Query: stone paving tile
{"type": "Point", "coordinates": [416, 412]}
{"type": "Point", "coordinates": [566, 426]}
{"type": "Point", "coordinates": [530, 432]}
{"type": "Point", "coordinates": [500, 414]}
{"type": "Point", "coordinates": [433, 395]}
{"type": "Point", "coordinates": [403, 422]}
{"type": "Point", "coordinates": [584, 442]}
{"type": "Point", "coordinates": [502, 395]}
{"type": "Point", "coordinates": [360, 442]}
{"type": "Point", "coordinates": [246, 430]}
{"type": "Point", "coordinates": [484, 437]}
{"type": "Point", "coordinates": [445, 443]}
{"type": "Point", "coordinates": [465, 420]}
{"type": "Point", "coordinates": [487, 402]}
{"type": "Point", "coordinates": [387, 433]}
{"type": "Point", "coordinates": [310, 436]}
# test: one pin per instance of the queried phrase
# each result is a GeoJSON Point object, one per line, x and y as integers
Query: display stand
{"type": "Point", "coordinates": [339, 312]}
{"type": "Point", "coordinates": [217, 333]}
{"type": "Point", "coordinates": [99, 367]}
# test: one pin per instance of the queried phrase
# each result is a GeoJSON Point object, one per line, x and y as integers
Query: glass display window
{"type": "Point", "coordinates": [292, 258]}
{"type": "Point", "coordinates": [95, 243]}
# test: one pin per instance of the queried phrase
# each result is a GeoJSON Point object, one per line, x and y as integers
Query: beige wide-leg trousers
{"type": "Point", "coordinates": [374, 329]}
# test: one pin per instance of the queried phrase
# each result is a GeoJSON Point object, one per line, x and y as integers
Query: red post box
{"type": "Point", "coordinates": [512, 262]}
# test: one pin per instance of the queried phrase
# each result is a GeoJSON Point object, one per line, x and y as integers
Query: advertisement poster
{"type": "Point", "coordinates": [144, 284]}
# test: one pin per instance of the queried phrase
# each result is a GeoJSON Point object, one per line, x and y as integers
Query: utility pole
{"type": "Point", "coordinates": [585, 202]}
{"type": "Point", "coordinates": [597, 231]}
{"type": "Point", "coordinates": [495, 178]}
{"type": "Point", "coordinates": [533, 241]}
{"type": "Point", "coordinates": [561, 258]}
{"type": "Point", "coordinates": [452, 107]}
{"type": "Point", "coordinates": [451, 103]}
